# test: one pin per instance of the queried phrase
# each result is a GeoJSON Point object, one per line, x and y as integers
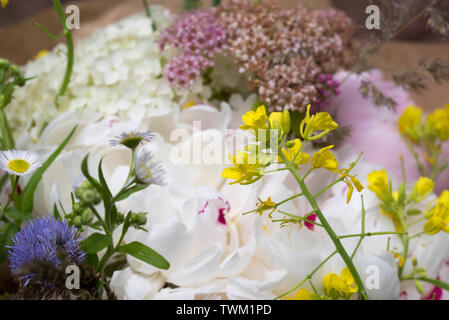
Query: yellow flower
{"type": "Point", "coordinates": [422, 189]}
{"type": "Point", "coordinates": [4, 3]}
{"type": "Point", "coordinates": [378, 183]}
{"type": "Point", "coordinates": [410, 123]}
{"type": "Point", "coordinates": [437, 124]}
{"type": "Point", "coordinates": [321, 121]}
{"type": "Point", "coordinates": [438, 217]}
{"type": "Point", "coordinates": [325, 159]}
{"type": "Point", "coordinates": [280, 121]}
{"type": "Point", "coordinates": [302, 294]}
{"type": "Point", "coordinates": [352, 182]}
{"type": "Point", "coordinates": [189, 104]}
{"type": "Point", "coordinates": [290, 153]}
{"type": "Point", "coordinates": [255, 120]}
{"type": "Point", "coordinates": [247, 169]}
{"type": "Point", "coordinates": [344, 285]}
{"type": "Point", "coordinates": [266, 205]}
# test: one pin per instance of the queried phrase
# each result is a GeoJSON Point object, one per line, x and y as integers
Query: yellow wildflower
{"type": "Point", "coordinates": [295, 150]}
{"type": "Point", "coordinates": [302, 294]}
{"type": "Point", "coordinates": [4, 3]}
{"type": "Point", "coordinates": [280, 121]}
{"type": "Point", "coordinates": [343, 285]}
{"type": "Point", "coordinates": [438, 217]}
{"type": "Point", "coordinates": [352, 182]}
{"type": "Point", "coordinates": [255, 120]}
{"type": "Point", "coordinates": [422, 189]}
{"type": "Point", "coordinates": [437, 124]}
{"type": "Point", "coordinates": [247, 169]}
{"type": "Point", "coordinates": [325, 159]}
{"type": "Point", "coordinates": [321, 121]}
{"type": "Point", "coordinates": [410, 123]}
{"type": "Point", "coordinates": [378, 183]}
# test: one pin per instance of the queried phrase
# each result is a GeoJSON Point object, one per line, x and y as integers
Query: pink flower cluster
{"type": "Point", "coordinates": [199, 37]}
{"type": "Point", "coordinates": [327, 87]}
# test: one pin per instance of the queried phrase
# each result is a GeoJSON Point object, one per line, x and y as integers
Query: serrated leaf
{"type": "Point", "coordinates": [146, 254]}
{"type": "Point", "coordinates": [95, 243]}
{"type": "Point", "coordinates": [26, 198]}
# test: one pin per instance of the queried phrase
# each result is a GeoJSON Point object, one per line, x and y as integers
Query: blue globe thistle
{"type": "Point", "coordinates": [40, 240]}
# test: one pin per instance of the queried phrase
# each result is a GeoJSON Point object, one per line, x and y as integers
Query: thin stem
{"type": "Point", "coordinates": [363, 228]}
{"type": "Point", "coordinates": [338, 245]}
{"type": "Point", "coordinates": [435, 282]}
{"type": "Point", "coordinates": [7, 136]}
{"type": "Point", "coordinates": [328, 187]}
{"type": "Point", "coordinates": [70, 51]}
{"type": "Point", "coordinates": [416, 221]}
{"type": "Point", "coordinates": [299, 218]}
{"type": "Point", "coordinates": [105, 258]}
{"type": "Point", "coordinates": [405, 241]}
{"type": "Point", "coordinates": [13, 194]}
{"type": "Point", "coordinates": [308, 277]}
{"type": "Point", "coordinates": [369, 234]}
{"type": "Point", "coordinates": [417, 235]}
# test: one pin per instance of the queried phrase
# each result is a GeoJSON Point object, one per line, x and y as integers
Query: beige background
{"type": "Point", "coordinates": [20, 42]}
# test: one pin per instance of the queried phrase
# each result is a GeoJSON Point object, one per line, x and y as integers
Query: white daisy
{"type": "Point", "coordinates": [147, 170]}
{"type": "Point", "coordinates": [19, 162]}
{"type": "Point", "coordinates": [132, 139]}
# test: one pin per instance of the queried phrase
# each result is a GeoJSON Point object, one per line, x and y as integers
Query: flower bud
{"type": "Point", "coordinates": [422, 189]}
{"type": "Point", "coordinates": [139, 219]}
{"type": "Point", "coordinates": [87, 216]}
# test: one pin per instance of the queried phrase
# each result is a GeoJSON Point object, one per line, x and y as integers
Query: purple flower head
{"type": "Point", "coordinates": [39, 240]}
{"type": "Point", "coordinates": [199, 37]}
{"type": "Point", "coordinates": [185, 69]}
{"type": "Point", "coordinates": [196, 33]}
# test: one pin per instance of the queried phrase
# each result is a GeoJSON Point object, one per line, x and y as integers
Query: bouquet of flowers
{"type": "Point", "coordinates": [237, 151]}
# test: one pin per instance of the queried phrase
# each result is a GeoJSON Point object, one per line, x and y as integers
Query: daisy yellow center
{"type": "Point", "coordinates": [18, 165]}
{"type": "Point", "coordinates": [148, 171]}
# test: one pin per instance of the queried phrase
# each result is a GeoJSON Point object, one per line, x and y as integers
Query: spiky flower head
{"type": "Point", "coordinates": [132, 139]}
{"type": "Point", "coordinates": [43, 240]}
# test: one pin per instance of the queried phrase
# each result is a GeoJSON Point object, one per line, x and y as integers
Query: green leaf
{"type": "Point", "coordinates": [124, 194]}
{"type": "Point", "coordinates": [6, 239]}
{"type": "Point", "coordinates": [105, 194]}
{"type": "Point", "coordinates": [26, 198]}
{"type": "Point", "coordinates": [95, 243]}
{"type": "Point", "coordinates": [56, 212]}
{"type": "Point", "coordinates": [18, 216]}
{"type": "Point", "coordinates": [142, 252]}
{"type": "Point", "coordinates": [92, 259]}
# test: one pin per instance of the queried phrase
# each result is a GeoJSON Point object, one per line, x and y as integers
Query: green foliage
{"type": "Point", "coordinates": [142, 252]}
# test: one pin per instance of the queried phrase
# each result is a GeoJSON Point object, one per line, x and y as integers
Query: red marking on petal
{"type": "Point", "coordinates": [309, 225]}
{"type": "Point", "coordinates": [435, 294]}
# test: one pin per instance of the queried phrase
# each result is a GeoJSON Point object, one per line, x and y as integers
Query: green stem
{"type": "Point", "coordinates": [328, 187]}
{"type": "Point", "coordinates": [438, 283]}
{"type": "Point", "coordinates": [405, 241]}
{"type": "Point", "coordinates": [70, 51]}
{"type": "Point", "coordinates": [338, 245]}
{"type": "Point", "coordinates": [7, 136]}
{"type": "Point", "coordinates": [308, 277]}
{"type": "Point", "coordinates": [363, 228]}
{"type": "Point", "coordinates": [105, 258]}
{"type": "Point", "coordinates": [368, 234]}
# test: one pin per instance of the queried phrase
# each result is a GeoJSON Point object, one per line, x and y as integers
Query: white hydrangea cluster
{"type": "Point", "coordinates": [117, 71]}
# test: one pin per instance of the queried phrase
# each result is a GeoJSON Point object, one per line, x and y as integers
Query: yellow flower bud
{"type": "Point", "coordinates": [438, 217]}
{"type": "Point", "coordinates": [378, 183]}
{"type": "Point", "coordinates": [302, 294]}
{"type": "Point", "coordinates": [4, 3]}
{"type": "Point", "coordinates": [437, 124]}
{"type": "Point", "coordinates": [325, 159]}
{"type": "Point", "coordinates": [280, 121]}
{"type": "Point", "coordinates": [344, 284]}
{"type": "Point", "coordinates": [410, 123]}
{"type": "Point", "coordinates": [422, 189]}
